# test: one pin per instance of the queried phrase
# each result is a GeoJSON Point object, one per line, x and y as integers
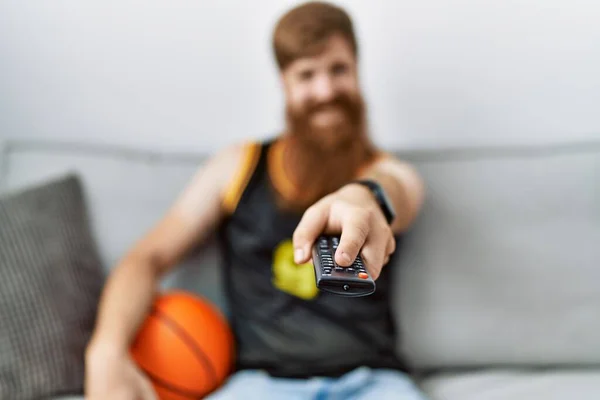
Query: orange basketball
{"type": "Point", "coordinates": [185, 347]}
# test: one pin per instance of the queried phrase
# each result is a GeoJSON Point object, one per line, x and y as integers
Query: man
{"type": "Point", "coordinates": [266, 199]}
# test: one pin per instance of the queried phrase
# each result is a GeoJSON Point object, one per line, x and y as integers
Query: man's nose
{"type": "Point", "coordinates": [324, 88]}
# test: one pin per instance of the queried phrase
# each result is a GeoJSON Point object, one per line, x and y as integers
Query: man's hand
{"type": "Point", "coordinates": [353, 212]}
{"type": "Point", "coordinates": [115, 376]}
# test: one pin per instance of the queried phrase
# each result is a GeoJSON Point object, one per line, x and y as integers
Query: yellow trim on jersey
{"type": "Point", "coordinates": [282, 183]}
{"type": "Point", "coordinates": [238, 184]}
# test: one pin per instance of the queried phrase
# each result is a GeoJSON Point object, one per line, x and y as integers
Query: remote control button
{"type": "Point", "coordinates": [363, 275]}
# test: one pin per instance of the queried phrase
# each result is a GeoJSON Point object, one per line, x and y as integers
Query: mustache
{"type": "Point", "coordinates": [343, 101]}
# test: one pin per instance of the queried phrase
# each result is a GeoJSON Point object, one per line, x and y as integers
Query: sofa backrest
{"type": "Point", "coordinates": [501, 268]}
{"type": "Point", "coordinates": [3, 165]}
{"type": "Point", "coordinates": [127, 192]}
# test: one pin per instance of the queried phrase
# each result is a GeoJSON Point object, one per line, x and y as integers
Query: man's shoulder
{"type": "Point", "coordinates": [242, 159]}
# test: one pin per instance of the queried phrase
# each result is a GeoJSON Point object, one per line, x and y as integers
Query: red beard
{"type": "Point", "coordinates": [320, 160]}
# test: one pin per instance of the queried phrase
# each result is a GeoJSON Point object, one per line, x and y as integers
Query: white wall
{"type": "Point", "coordinates": [199, 74]}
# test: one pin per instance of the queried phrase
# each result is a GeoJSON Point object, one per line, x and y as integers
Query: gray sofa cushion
{"type": "Point", "coordinates": [502, 267]}
{"type": "Point", "coordinates": [67, 398]}
{"type": "Point", "coordinates": [515, 384]}
{"type": "Point", "coordinates": [50, 283]}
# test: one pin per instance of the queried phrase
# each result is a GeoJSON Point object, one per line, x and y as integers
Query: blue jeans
{"type": "Point", "coordinates": [360, 384]}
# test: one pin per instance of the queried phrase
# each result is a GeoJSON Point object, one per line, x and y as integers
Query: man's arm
{"type": "Point", "coordinates": [353, 212]}
{"type": "Point", "coordinates": [130, 289]}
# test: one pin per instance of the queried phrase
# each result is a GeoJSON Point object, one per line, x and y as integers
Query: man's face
{"type": "Point", "coordinates": [323, 95]}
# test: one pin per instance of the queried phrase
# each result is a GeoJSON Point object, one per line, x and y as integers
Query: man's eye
{"type": "Point", "coordinates": [306, 75]}
{"type": "Point", "coordinates": [339, 69]}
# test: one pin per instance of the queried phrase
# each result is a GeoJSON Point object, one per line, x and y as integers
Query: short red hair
{"type": "Point", "coordinates": [303, 31]}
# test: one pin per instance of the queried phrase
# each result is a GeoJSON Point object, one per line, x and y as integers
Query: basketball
{"type": "Point", "coordinates": [185, 346]}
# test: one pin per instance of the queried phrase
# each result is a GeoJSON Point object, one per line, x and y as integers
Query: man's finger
{"type": "Point", "coordinates": [355, 230]}
{"type": "Point", "coordinates": [391, 245]}
{"type": "Point", "coordinates": [389, 250]}
{"type": "Point", "coordinates": [376, 251]}
{"type": "Point", "coordinates": [312, 224]}
{"type": "Point", "coordinates": [373, 255]}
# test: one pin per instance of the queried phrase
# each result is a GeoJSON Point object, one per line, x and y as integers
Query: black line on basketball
{"type": "Point", "coordinates": [172, 388]}
{"type": "Point", "coordinates": [196, 350]}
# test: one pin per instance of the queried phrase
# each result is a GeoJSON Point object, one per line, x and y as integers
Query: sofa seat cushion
{"type": "Point", "coordinates": [522, 384]}
{"type": "Point", "coordinates": [67, 398]}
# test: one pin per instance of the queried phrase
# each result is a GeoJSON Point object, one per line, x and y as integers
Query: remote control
{"type": "Point", "coordinates": [352, 281]}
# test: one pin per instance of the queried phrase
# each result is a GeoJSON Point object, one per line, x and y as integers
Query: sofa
{"type": "Point", "coordinates": [498, 283]}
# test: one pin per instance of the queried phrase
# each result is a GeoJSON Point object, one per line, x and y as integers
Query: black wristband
{"type": "Point", "coordinates": [382, 200]}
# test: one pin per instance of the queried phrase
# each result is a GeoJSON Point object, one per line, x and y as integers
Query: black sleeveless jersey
{"type": "Point", "coordinates": [281, 322]}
